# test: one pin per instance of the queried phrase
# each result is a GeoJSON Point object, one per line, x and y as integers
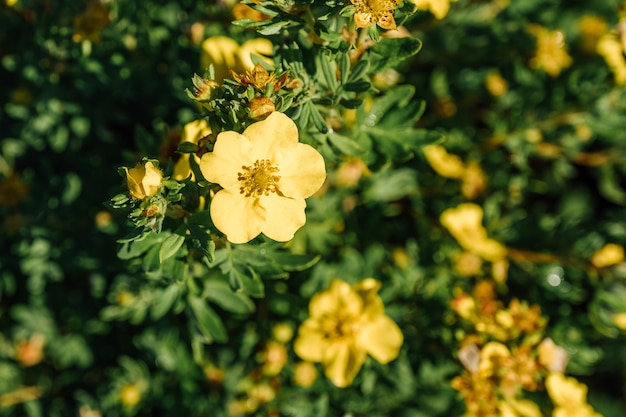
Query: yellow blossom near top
{"type": "Point", "coordinates": [192, 132]}
{"type": "Point", "coordinates": [266, 174]}
{"type": "Point", "coordinates": [609, 254]}
{"type": "Point", "coordinates": [226, 54]}
{"type": "Point", "coordinates": [568, 396]}
{"type": "Point", "coordinates": [610, 48]}
{"type": "Point", "coordinates": [464, 222]}
{"type": "Point", "coordinates": [143, 180]}
{"type": "Point", "coordinates": [551, 55]}
{"type": "Point", "coordinates": [347, 323]}
{"type": "Point", "coordinates": [439, 8]}
{"type": "Point", "coordinates": [445, 164]}
{"type": "Point", "coordinates": [375, 11]}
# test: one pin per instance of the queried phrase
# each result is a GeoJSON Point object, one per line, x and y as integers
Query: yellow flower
{"type": "Point", "coordinates": [552, 356]}
{"type": "Point", "coordinates": [511, 407]}
{"type": "Point", "coordinates": [90, 23]}
{"type": "Point", "coordinates": [375, 11]}
{"type": "Point", "coordinates": [609, 254]}
{"type": "Point", "coordinates": [266, 174]}
{"type": "Point", "coordinates": [465, 223]}
{"type": "Point", "coordinates": [304, 374]}
{"type": "Point", "coordinates": [439, 8]}
{"type": "Point", "coordinates": [445, 164]}
{"type": "Point", "coordinates": [568, 396]}
{"type": "Point", "coordinates": [130, 395]}
{"type": "Point", "coordinates": [143, 180]}
{"type": "Point", "coordinates": [496, 84]}
{"type": "Point", "coordinates": [345, 324]}
{"type": "Point", "coordinates": [619, 319]}
{"type": "Point", "coordinates": [610, 48]}
{"type": "Point", "coordinates": [192, 132]}
{"type": "Point", "coordinates": [551, 54]}
{"type": "Point", "coordinates": [226, 54]}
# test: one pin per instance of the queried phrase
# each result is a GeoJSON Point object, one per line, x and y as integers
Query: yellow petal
{"type": "Point", "coordinates": [272, 136]}
{"type": "Point", "coordinates": [259, 47]}
{"type": "Point", "coordinates": [342, 362]}
{"type": "Point", "coordinates": [240, 218]}
{"type": "Point", "coordinates": [310, 344]}
{"type": "Point", "coordinates": [367, 289]}
{"type": "Point", "coordinates": [194, 131]}
{"type": "Point", "coordinates": [152, 179]}
{"type": "Point", "coordinates": [219, 51]}
{"type": "Point", "coordinates": [339, 297]}
{"type": "Point", "coordinates": [302, 171]}
{"type": "Point", "coordinates": [284, 216]}
{"type": "Point", "coordinates": [565, 391]}
{"type": "Point", "coordinates": [382, 339]}
{"type": "Point", "coordinates": [230, 153]}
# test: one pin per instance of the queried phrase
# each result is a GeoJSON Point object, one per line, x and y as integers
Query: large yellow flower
{"type": "Point", "coordinates": [465, 223]}
{"type": "Point", "coordinates": [346, 324]}
{"type": "Point", "coordinates": [143, 180]}
{"type": "Point", "coordinates": [226, 54]}
{"type": "Point", "coordinates": [266, 174]}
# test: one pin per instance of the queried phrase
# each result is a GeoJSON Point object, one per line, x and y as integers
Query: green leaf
{"type": "Point", "coordinates": [250, 285]}
{"type": "Point", "coordinates": [357, 86]}
{"type": "Point", "coordinates": [317, 118]}
{"type": "Point", "coordinates": [170, 246]}
{"type": "Point", "coordinates": [294, 262]}
{"type": "Point", "coordinates": [328, 71]}
{"type": "Point", "coordinates": [389, 52]}
{"type": "Point", "coordinates": [360, 69]}
{"type": "Point", "coordinates": [187, 147]}
{"type": "Point", "coordinates": [208, 321]}
{"type": "Point", "coordinates": [344, 144]}
{"type": "Point", "coordinates": [164, 299]}
{"type": "Point", "coordinates": [222, 295]}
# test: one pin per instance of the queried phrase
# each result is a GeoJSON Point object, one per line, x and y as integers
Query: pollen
{"type": "Point", "coordinates": [259, 179]}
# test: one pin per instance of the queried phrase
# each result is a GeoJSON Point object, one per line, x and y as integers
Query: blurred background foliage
{"type": "Point", "coordinates": [516, 90]}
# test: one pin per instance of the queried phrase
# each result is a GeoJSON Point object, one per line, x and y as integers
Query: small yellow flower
{"type": "Point", "coordinates": [610, 48]}
{"type": "Point", "coordinates": [266, 174]}
{"type": "Point", "coordinates": [511, 407]}
{"type": "Point", "coordinates": [30, 352]}
{"type": "Point", "coordinates": [192, 132]}
{"type": "Point", "coordinates": [609, 254]}
{"type": "Point", "coordinates": [143, 180]}
{"type": "Point", "coordinates": [496, 84]}
{"type": "Point", "coordinates": [226, 54]}
{"type": "Point", "coordinates": [304, 374]}
{"type": "Point", "coordinates": [619, 319]}
{"type": "Point", "coordinates": [445, 164]}
{"type": "Point", "coordinates": [474, 181]}
{"type": "Point", "coordinates": [90, 23]}
{"type": "Point", "coordinates": [552, 356]}
{"type": "Point", "coordinates": [568, 396]}
{"type": "Point", "coordinates": [345, 324]}
{"type": "Point", "coordinates": [465, 223]}
{"type": "Point", "coordinates": [130, 395]}
{"type": "Point", "coordinates": [375, 11]}
{"type": "Point", "coordinates": [551, 54]}
{"type": "Point", "coordinates": [439, 8]}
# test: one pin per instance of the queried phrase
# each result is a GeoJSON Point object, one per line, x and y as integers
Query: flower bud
{"type": "Point", "coordinates": [143, 180]}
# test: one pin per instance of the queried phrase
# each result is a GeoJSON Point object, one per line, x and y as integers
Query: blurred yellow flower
{"type": "Point", "coordinates": [552, 356]}
{"type": "Point", "coordinates": [439, 8]}
{"type": "Point", "coordinates": [496, 84]}
{"type": "Point", "coordinates": [89, 24]}
{"type": "Point", "coordinates": [345, 324]}
{"type": "Point", "coordinates": [143, 180]}
{"type": "Point", "coordinates": [464, 222]}
{"type": "Point", "coordinates": [568, 396]}
{"type": "Point", "coordinates": [226, 54]}
{"type": "Point", "coordinates": [619, 319]}
{"type": "Point", "coordinates": [192, 132]}
{"type": "Point", "coordinates": [375, 11]}
{"type": "Point", "coordinates": [610, 48]}
{"type": "Point", "coordinates": [551, 55]}
{"type": "Point", "coordinates": [266, 174]}
{"type": "Point", "coordinates": [304, 374]}
{"type": "Point", "coordinates": [130, 395]}
{"type": "Point", "coordinates": [511, 407]}
{"type": "Point", "coordinates": [443, 163]}
{"type": "Point", "coordinates": [609, 254]}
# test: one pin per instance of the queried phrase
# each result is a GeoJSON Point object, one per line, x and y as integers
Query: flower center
{"type": "Point", "coordinates": [339, 326]}
{"type": "Point", "coordinates": [259, 179]}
